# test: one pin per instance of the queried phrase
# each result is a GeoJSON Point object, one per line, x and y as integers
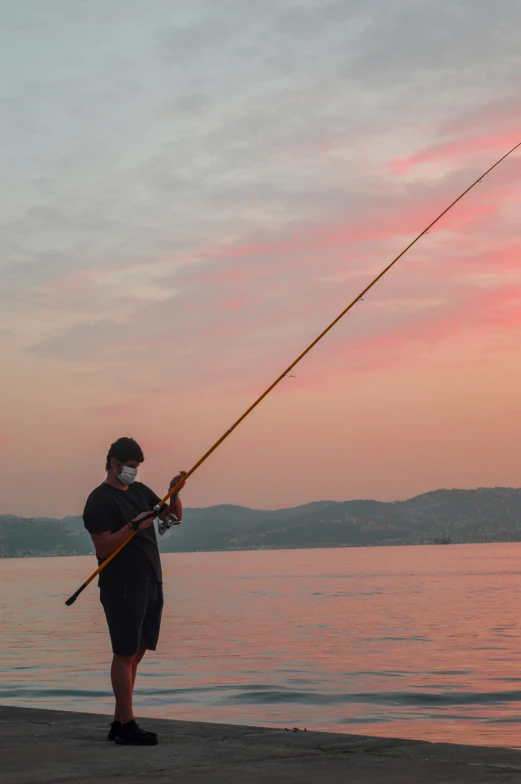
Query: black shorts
{"type": "Point", "coordinates": [133, 612]}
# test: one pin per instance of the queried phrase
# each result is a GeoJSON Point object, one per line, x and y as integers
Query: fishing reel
{"type": "Point", "coordinates": [168, 522]}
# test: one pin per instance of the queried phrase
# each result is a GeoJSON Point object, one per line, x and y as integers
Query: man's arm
{"type": "Point", "coordinates": [106, 542]}
{"type": "Point", "coordinates": [175, 506]}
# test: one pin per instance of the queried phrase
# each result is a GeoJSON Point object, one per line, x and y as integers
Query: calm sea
{"type": "Point", "coordinates": [417, 642]}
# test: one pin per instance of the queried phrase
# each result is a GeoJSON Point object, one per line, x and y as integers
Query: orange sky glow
{"type": "Point", "coordinates": [159, 275]}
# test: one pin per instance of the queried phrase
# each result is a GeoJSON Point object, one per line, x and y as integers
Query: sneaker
{"type": "Point", "coordinates": [114, 727]}
{"type": "Point", "coordinates": [131, 734]}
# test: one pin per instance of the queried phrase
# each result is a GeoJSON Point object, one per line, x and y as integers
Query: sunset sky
{"type": "Point", "coordinates": [192, 191]}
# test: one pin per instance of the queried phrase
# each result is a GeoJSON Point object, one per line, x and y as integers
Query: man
{"type": "Point", "coordinates": [131, 589]}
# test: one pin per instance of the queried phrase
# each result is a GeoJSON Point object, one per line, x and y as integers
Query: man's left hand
{"type": "Point", "coordinates": [177, 479]}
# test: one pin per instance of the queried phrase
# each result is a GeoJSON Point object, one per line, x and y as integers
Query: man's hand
{"type": "Point", "coordinates": [176, 479]}
{"type": "Point", "coordinates": [147, 519]}
{"type": "Point", "coordinates": [106, 542]}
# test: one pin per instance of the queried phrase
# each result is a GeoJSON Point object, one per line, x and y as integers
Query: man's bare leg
{"type": "Point", "coordinates": [119, 675]}
{"type": "Point", "coordinates": [137, 658]}
{"type": "Point", "coordinates": [122, 675]}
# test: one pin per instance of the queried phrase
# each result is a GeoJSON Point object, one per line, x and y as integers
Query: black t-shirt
{"type": "Point", "coordinates": [109, 509]}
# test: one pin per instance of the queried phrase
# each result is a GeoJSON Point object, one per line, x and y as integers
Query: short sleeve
{"type": "Point", "coordinates": [98, 516]}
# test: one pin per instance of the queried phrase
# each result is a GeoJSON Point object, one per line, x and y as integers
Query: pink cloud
{"type": "Point", "coordinates": [457, 149]}
{"type": "Point", "coordinates": [443, 277]}
{"type": "Point", "coordinates": [494, 115]}
{"type": "Point", "coordinates": [473, 315]}
{"type": "Point", "coordinates": [469, 317]}
{"type": "Point", "coordinates": [399, 219]}
{"type": "Point", "coordinates": [226, 344]}
{"type": "Point", "coordinates": [231, 304]}
{"type": "Point", "coordinates": [462, 260]}
{"type": "Point", "coordinates": [230, 274]}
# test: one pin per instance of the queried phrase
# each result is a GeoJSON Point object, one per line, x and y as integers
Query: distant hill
{"type": "Point", "coordinates": [482, 515]}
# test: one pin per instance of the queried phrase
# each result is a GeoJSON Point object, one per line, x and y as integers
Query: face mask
{"type": "Point", "coordinates": [127, 475]}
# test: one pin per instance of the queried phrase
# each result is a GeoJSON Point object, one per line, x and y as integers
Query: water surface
{"type": "Point", "coordinates": [417, 642]}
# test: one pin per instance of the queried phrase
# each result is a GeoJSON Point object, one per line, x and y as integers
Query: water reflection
{"type": "Point", "coordinates": [411, 642]}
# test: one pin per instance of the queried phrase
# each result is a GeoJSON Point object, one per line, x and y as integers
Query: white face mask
{"type": "Point", "coordinates": [127, 475]}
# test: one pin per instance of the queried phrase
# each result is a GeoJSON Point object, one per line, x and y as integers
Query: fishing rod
{"type": "Point", "coordinates": [160, 506]}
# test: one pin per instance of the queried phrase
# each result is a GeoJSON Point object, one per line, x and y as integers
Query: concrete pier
{"type": "Point", "coordinates": [58, 747]}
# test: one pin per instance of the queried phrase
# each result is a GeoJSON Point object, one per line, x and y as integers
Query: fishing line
{"type": "Point", "coordinates": [225, 435]}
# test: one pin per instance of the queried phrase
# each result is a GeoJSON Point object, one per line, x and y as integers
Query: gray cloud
{"type": "Point", "coordinates": [151, 136]}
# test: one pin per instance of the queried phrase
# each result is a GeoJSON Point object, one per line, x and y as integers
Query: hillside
{"type": "Point", "coordinates": [482, 515]}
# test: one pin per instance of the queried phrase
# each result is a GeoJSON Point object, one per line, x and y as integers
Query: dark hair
{"type": "Point", "coordinates": [125, 449]}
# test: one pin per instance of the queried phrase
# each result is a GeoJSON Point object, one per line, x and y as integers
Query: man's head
{"type": "Point", "coordinates": [123, 459]}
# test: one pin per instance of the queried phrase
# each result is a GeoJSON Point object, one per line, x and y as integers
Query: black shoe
{"type": "Point", "coordinates": [131, 734]}
{"type": "Point", "coordinates": [114, 727]}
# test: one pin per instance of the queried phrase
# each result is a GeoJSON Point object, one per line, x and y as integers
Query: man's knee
{"type": "Point", "coordinates": [124, 661]}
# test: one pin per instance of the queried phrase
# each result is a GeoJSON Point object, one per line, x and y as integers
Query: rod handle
{"type": "Point", "coordinates": [74, 596]}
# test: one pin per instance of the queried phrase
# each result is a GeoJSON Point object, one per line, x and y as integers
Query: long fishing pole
{"type": "Point", "coordinates": [178, 485]}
